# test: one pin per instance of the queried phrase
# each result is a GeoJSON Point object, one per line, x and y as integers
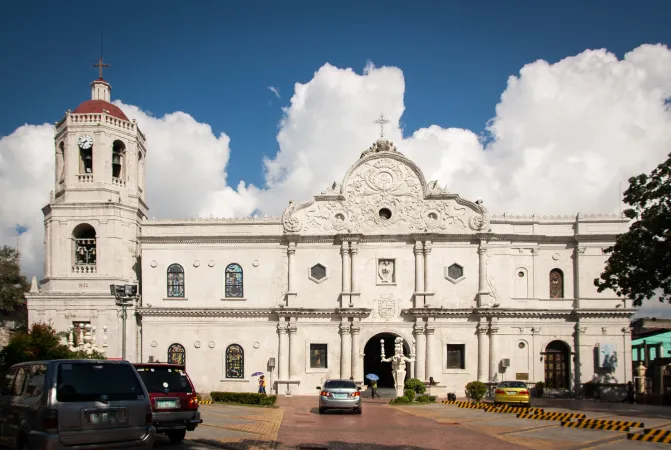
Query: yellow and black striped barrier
{"type": "Point", "coordinates": [515, 410]}
{"type": "Point", "coordinates": [204, 402]}
{"type": "Point", "coordinates": [551, 416]}
{"type": "Point", "coordinates": [454, 402]}
{"type": "Point", "coordinates": [623, 423]}
{"type": "Point", "coordinates": [475, 405]}
{"type": "Point", "coordinates": [595, 426]}
{"type": "Point", "coordinates": [651, 435]}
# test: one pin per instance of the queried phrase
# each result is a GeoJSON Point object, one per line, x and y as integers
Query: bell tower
{"type": "Point", "coordinates": [95, 212]}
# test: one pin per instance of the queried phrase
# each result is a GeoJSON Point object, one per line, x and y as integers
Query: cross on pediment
{"type": "Point", "coordinates": [382, 122]}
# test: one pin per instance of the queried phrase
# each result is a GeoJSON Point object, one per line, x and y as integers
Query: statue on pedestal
{"type": "Point", "coordinates": [398, 361]}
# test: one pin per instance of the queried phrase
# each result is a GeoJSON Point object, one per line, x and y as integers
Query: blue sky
{"type": "Point", "coordinates": [216, 59]}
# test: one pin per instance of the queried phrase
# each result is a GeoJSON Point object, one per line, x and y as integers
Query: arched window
{"type": "Point", "coordinates": [176, 354]}
{"type": "Point", "coordinates": [60, 162]}
{"type": "Point", "coordinates": [234, 281]}
{"type": "Point", "coordinates": [118, 157]}
{"type": "Point", "coordinates": [235, 361]}
{"type": "Point", "coordinates": [84, 237]}
{"type": "Point", "coordinates": [556, 283]}
{"type": "Point", "coordinates": [175, 281]}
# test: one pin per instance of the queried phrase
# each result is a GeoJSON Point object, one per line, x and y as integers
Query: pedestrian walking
{"type": "Point", "coordinates": [373, 389]}
{"type": "Point", "coordinates": [262, 384]}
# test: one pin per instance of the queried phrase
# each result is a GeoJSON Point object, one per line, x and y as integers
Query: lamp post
{"type": "Point", "coordinates": [123, 294]}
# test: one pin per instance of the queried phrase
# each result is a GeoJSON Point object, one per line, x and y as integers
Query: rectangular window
{"type": "Point", "coordinates": [87, 382]}
{"type": "Point", "coordinates": [455, 356]}
{"type": "Point", "coordinates": [8, 382]}
{"type": "Point", "coordinates": [35, 383]}
{"type": "Point", "coordinates": [318, 356]}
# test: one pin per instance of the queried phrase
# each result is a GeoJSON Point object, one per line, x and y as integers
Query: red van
{"type": "Point", "coordinates": [173, 399]}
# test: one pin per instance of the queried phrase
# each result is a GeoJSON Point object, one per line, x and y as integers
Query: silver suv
{"type": "Point", "coordinates": [59, 404]}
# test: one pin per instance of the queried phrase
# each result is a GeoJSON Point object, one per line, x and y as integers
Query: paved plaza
{"type": "Point", "coordinates": [296, 424]}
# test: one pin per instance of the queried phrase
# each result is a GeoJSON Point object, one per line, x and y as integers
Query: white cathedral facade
{"type": "Point", "coordinates": [311, 294]}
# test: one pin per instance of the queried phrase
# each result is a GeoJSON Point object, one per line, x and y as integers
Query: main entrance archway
{"type": "Point", "coordinates": [557, 357]}
{"type": "Point", "coordinates": [372, 362]}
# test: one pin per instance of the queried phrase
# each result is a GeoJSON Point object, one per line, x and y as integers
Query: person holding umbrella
{"type": "Point", "coordinates": [262, 382]}
{"type": "Point", "coordinates": [373, 385]}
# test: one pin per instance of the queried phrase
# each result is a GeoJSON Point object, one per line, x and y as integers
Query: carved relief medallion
{"type": "Point", "coordinates": [386, 271]}
{"type": "Point", "coordinates": [386, 306]}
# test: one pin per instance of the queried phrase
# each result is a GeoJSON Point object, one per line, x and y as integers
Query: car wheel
{"type": "Point", "coordinates": [357, 411]}
{"type": "Point", "coordinates": [176, 436]}
{"type": "Point", "coordinates": [321, 410]}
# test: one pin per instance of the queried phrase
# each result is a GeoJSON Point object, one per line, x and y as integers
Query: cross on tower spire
{"type": "Point", "coordinates": [382, 122]}
{"type": "Point", "coordinates": [100, 66]}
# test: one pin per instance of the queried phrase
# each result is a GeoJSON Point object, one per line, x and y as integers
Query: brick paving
{"type": "Point", "coordinates": [539, 434]}
{"type": "Point", "coordinates": [379, 427]}
{"type": "Point", "coordinates": [236, 427]}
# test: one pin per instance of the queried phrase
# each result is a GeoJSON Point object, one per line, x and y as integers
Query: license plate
{"type": "Point", "coordinates": [167, 404]}
{"type": "Point", "coordinates": [103, 417]}
{"type": "Point", "coordinates": [511, 393]}
{"type": "Point", "coordinates": [339, 395]}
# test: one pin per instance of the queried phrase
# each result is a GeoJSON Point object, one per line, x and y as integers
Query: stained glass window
{"type": "Point", "coordinates": [235, 361]}
{"type": "Point", "coordinates": [318, 356]}
{"type": "Point", "coordinates": [556, 283]}
{"type": "Point", "coordinates": [234, 280]}
{"type": "Point", "coordinates": [176, 354]}
{"type": "Point", "coordinates": [175, 281]}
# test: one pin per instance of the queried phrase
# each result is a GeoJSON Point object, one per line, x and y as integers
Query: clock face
{"type": "Point", "coordinates": [85, 142]}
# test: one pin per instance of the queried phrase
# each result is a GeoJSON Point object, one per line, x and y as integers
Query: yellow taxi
{"type": "Point", "coordinates": [508, 392]}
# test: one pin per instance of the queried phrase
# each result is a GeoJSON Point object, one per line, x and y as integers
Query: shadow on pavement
{"type": "Point", "coordinates": [331, 445]}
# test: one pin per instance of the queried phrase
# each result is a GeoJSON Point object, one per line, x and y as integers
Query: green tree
{"type": "Point", "coordinates": [13, 285]}
{"type": "Point", "coordinates": [40, 342]}
{"type": "Point", "coordinates": [639, 266]}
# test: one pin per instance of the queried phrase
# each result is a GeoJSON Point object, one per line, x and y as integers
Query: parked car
{"type": "Point", "coordinates": [75, 403]}
{"type": "Point", "coordinates": [340, 394]}
{"type": "Point", "coordinates": [512, 392]}
{"type": "Point", "coordinates": [174, 400]}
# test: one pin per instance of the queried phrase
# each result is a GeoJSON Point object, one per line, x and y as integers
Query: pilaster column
{"type": "Point", "coordinates": [356, 354]}
{"type": "Point", "coordinates": [534, 278]}
{"type": "Point", "coordinates": [345, 351]}
{"type": "Point", "coordinates": [427, 265]}
{"type": "Point", "coordinates": [291, 273]}
{"type": "Point", "coordinates": [576, 275]}
{"type": "Point", "coordinates": [577, 363]}
{"type": "Point", "coordinates": [626, 346]}
{"type": "Point", "coordinates": [346, 274]}
{"type": "Point", "coordinates": [283, 356]}
{"type": "Point", "coordinates": [420, 351]}
{"type": "Point", "coordinates": [291, 251]}
{"type": "Point", "coordinates": [483, 367]}
{"type": "Point", "coordinates": [430, 346]}
{"type": "Point", "coordinates": [493, 354]}
{"type": "Point", "coordinates": [293, 352]}
{"type": "Point", "coordinates": [354, 287]}
{"type": "Point", "coordinates": [419, 268]}
{"type": "Point", "coordinates": [482, 274]}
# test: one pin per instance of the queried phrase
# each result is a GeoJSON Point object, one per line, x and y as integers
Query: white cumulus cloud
{"type": "Point", "coordinates": [564, 138]}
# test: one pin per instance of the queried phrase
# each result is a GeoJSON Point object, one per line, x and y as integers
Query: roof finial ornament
{"type": "Point", "coordinates": [382, 122]}
{"type": "Point", "coordinates": [100, 64]}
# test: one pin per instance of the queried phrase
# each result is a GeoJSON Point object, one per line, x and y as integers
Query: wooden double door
{"type": "Point", "coordinates": [556, 359]}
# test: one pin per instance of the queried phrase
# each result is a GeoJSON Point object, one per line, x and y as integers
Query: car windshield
{"type": "Point", "coordinates": [81, 382]}
{"type": "Point", "coordinates": [339, 384]}
{"type": "Point", "coordinates": [512, 384]}
{"type": "Point", "coordinates": [164, 379]}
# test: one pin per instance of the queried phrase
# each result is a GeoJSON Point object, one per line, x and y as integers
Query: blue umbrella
{"type": "Point", "coordinates": [257, 374]}
{"type": "Point", "coordinates": [372, 376]}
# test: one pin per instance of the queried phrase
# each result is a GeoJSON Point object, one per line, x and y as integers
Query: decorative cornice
{"type": "Point", "coordinates": [213, 221]}
{"type": "Point", "coordinates": [205, 312]}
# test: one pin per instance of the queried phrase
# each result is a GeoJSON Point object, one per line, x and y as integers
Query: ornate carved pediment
{"type": "Point", "coordinates": [384, 192]}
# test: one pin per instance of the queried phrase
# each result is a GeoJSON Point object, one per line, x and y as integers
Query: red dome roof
{"type": "Point", "coordinates": [97, 106]}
